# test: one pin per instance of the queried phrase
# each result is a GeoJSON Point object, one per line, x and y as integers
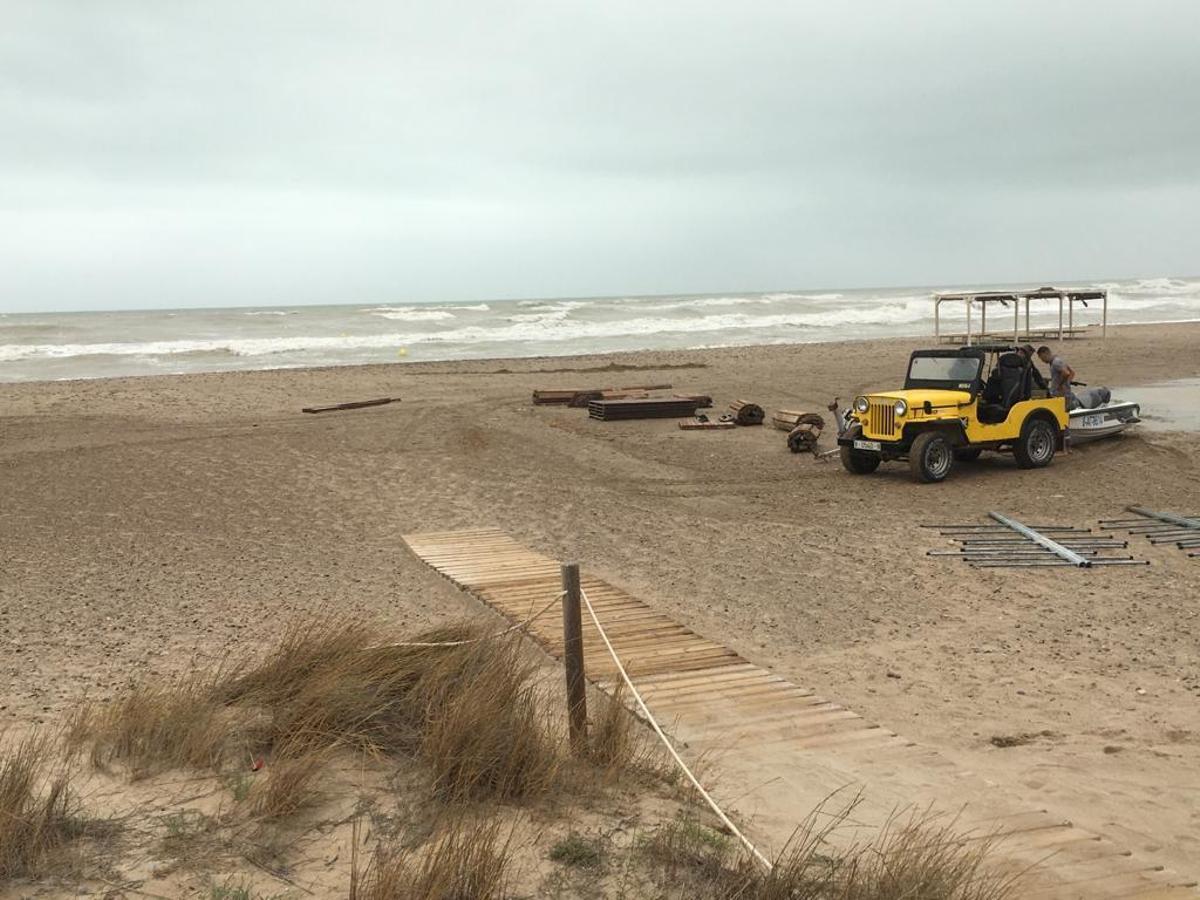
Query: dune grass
{"type": "Point", "coordinates": [470, 713]}
{"type": "Point", "coordinates": [38, 814]}
{"type": "Point", "coordinates": [469, 861]}
{"type": "Point", "coordinates": [920, 857]}
{"type": "Point", "coordinates": [154, 727]}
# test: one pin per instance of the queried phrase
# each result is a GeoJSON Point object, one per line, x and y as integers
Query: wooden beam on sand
{"type": "Point", "coordinates": [650, 408]}
{"type": "Point", "coordinates": [550, 396]}
{"type": "Point", "coordinates": [583, 398]}
{"type": "Point", "coordinates": [353, 404]}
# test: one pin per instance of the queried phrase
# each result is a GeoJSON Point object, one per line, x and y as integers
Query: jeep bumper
{"type": "Point", "coordinates": [887, 448]}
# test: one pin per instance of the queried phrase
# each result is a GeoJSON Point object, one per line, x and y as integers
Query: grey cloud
{"type": "Point", "coordinates": [257, 153]}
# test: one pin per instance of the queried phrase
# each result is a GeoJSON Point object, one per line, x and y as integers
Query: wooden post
{"type": "Point", "coordinates": [573, 658]}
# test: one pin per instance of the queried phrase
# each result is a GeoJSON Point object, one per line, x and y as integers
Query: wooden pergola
{"type": "Point", "coordinates": [1066, 297]}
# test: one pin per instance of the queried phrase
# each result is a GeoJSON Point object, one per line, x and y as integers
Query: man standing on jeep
{"type": "Point", "coordinates": [1061, 376]}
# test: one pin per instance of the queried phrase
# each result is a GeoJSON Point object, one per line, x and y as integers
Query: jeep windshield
{"type": "Point", "coordinates": [946, 370]}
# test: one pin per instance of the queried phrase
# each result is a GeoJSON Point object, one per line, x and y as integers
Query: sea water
{"type": "Point", "coordinates": [47, 346]}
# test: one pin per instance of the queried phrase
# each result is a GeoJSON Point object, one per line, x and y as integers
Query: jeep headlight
{"type": "Point", "coordinates": [861, 405]}
{"type": "Point", "coordinates": [901, 408]}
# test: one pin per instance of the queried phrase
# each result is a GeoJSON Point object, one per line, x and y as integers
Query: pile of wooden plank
{"type": "Point", "coordinates": [705, 425]}
{"type": "Point", "coordinates": [581, 396]}
{"type": "Point", "coordinates": [747, 413]}
{"type": "Point", "coordinates": [648, 408]}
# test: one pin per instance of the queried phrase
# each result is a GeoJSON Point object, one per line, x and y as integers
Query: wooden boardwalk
{"type": "Point", "coordinates": [781, 749]}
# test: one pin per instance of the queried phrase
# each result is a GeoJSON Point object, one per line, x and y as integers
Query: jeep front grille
{"type": "Point", "coordinates": [881, 418]}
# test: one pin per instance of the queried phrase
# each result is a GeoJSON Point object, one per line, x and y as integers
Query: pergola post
{"type": "Point", "coordinates": [1026, 317]}
{"type": "Point", "coordinates": [1060, 321]}
{"type": "Point", "coordinates": [1104, 318]}
{"type": "Point", "coordinates": [1016, 319]}
{"type": "Point", "coordinates": [937, 323]}
{"type": "Point", "coordinates": [983, 320]}
{"type": "Point", "coordinates": [968, 321]}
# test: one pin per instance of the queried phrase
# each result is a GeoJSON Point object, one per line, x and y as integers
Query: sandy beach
{"type": "Point", "coordinates": [146, 522]}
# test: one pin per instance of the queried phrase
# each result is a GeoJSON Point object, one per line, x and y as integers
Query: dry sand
{"type": "Point", "coordinates": [147, 521]}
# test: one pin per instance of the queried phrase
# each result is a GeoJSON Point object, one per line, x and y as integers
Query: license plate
{"type": "Point", "coordinates": [866, 445]}
{"type": "Point", "coordinates": [1093, 421]}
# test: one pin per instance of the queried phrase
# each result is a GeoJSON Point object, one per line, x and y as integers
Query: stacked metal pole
{"type": "Point", "coordinates": [1161, 528]}
{"type": "Point", "coordinates": [1006, 542]}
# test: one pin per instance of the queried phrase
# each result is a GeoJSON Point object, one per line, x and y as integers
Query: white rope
{"type": "Point", "coordinates": [667, 742]}
{"type": "Point", "coordinates": [520, 626]}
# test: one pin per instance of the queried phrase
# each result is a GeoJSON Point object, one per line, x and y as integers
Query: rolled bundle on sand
{"type": "Point", "coordinates": [746, 413]}
{"type": "Point", "coordinates": [803, 437]}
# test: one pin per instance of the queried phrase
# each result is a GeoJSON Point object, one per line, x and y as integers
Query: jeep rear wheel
{"type": "Point", "coordinates": [1035, 447]}
{"type": "Point", "coordinates": [931, 457]}
{"type": "Point", "coordinates": [858, 462]}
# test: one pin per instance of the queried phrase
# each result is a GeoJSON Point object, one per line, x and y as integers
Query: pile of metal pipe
{"type": "Point", "coordinates": [1010, 543]}
{"type": "Point", "coordinates": [1161, 528]}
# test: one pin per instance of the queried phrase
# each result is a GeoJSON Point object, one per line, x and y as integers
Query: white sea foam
{"type": "Point", "coordinates": [415, 315]}
{"type": "Point", "coordinates": [704, 303]}
{"type": "Point", "coordinates": [427, 307]}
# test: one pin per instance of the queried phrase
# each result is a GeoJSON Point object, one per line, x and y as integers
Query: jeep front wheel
{"type": "Point", "coordinates": [1035, 446]}
{"type": "Point", "coordinates": [858, 462]}
{"type": "Point", "coordinates": [931, 457]}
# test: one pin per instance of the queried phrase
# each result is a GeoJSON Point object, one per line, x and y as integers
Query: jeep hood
{"type": "Point", "coordinates": [916, 397]}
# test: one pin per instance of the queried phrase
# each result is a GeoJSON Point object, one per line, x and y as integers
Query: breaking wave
{"type": "Point", "coordinates": [90, 344]}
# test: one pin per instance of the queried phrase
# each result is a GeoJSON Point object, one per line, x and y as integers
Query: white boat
{"type": "Point", "coordinates": [1105, 420]}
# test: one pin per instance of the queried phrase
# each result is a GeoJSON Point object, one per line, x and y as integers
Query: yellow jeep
{"type": "Point", "coordinates": [955, 404]}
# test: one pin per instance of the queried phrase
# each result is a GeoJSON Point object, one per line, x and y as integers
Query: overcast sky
{"type": "Point", "coordinates": [158, 154]}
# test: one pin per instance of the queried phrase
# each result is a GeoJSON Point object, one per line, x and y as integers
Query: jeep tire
{"type": "Point", "coordinates": [858, 462]}
{"type": "Point", "coordinates": [967, 454]}
{"type": "Point", "coordinates": [931, 457]}
{"type": "Point", "coordinates": [1035, 447]}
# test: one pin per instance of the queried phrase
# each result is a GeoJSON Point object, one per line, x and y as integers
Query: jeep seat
{"type": "Point", "coordinates": [1013, 386]}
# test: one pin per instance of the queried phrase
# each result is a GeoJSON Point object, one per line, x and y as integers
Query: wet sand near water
{"type": "Point", "coordinates": [146, 522]}
{"type": "Point", "coordinates": [1169, 405]}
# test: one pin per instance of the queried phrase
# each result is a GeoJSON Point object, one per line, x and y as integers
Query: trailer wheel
{"type": "Point", "coordinates": [931, 457]}
{"type": "Point", "coordinates": [1035, 447]}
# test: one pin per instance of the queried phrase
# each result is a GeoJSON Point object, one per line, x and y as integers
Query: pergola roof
{"type": "Point", "coordinates": [1066, 297]}
{"type": "Point", "coordinates": [1043, 293]}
